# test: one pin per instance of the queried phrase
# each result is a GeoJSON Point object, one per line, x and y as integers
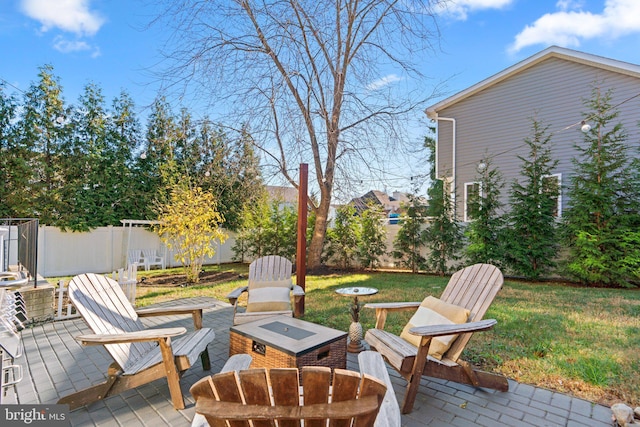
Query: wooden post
{"type": "Point", "coordinates": [301, 252]}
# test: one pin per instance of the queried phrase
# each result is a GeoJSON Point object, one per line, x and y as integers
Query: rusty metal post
{"type": "Point", "coordinates": [301, 250]}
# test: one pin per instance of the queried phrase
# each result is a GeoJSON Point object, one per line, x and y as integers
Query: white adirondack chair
{"type": "Point", "coordinates": [269, 290]}
{"type": "Point", "coordinates": [134, 256]}
{"type": "Point", "coordinates": [141, 355]}
{"type": "Point", "coordinates": [151, 257]}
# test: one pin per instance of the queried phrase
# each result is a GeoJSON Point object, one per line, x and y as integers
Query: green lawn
{"type": "Point", "coordinates": [583, 341]}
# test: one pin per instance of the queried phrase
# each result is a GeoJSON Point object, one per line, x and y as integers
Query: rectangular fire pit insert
{"type": "Point", "coordinates": [285, 342]}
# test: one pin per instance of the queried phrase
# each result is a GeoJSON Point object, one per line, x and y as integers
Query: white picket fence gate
{"type": "Point", "coordinates": [65, 309]}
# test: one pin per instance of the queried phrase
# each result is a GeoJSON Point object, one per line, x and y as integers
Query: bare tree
{"type": "Point", "coordinates": [311, 79]}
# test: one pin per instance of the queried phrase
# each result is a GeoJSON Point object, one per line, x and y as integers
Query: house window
{"type": "Point", "coordinates": [552, 185]}
{"type": "Point", "coordinates": [471, 191]}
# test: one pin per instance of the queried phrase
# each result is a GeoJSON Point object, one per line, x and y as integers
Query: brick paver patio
{"type": "Point", "coordinates": [56, 365]}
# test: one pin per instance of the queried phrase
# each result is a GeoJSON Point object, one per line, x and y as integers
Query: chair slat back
{"type": "Point", "coordinates": [106, 309]}
{"type": "Point", "coordinates": [270, 268]}
{"type": "Point", "coordinates": [342, 398]}
{"type": "Point", "coordinates": [134, 256]}
{"type": "Point", "coordinates": [474, 288]}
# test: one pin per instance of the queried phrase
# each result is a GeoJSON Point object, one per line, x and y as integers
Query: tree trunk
{"type": "Point", "coordinates": [314, 252]}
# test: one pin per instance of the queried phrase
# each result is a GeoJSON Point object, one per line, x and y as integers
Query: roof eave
{"type": "Point", "coordinates": [550, 52]}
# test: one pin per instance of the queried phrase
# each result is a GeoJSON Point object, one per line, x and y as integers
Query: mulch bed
{"type": "Point", "coordinates": [176, 280]}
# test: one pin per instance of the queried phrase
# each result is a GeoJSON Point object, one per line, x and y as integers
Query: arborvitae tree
{"type": "Point", "coordinates": [251, 236]}
{"type": "Point", "coordinates": [443, 233]}
{"type": "Point", "coordinates": [42, 129]}
{"type": "Point", "coordinates": [125, 136]}
{"type": "Point", "coordinates": [484, 232]}
{"type": "Point", "coordinates": [90, 182]}
{"type": "Point", "coordinates": [85, 166]}
{"type": "Point", "coordinates": [246, 184]}
{"type": "Point", "coordinates": [229, 168]}
{"type": "Point", "coordinates": [13, 165]}
{"type": "Point", "coordinates": [412, 236]}
{"type": "Point", "coordinates": [531, 231]}
{"type": "Point", "coordinates": [214, 174]}
{"type": "Point", "coordinates": [602, 223]}
{"type": "Point", "coordinates": [159, 167]}
{"type": "Point", "coordinates": [342, 238]}
{"type": "Point", "coordinates": [282, 232]}
{"type": "Point", "coordinates": [268, 228]}
{"type": "Point", "coordinates": [371, 235]}
{"type": "Point", "coordinates": [185, 147]}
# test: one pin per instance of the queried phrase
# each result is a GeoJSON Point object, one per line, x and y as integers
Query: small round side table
{"type": "Point", "coordinates": [355, 329]}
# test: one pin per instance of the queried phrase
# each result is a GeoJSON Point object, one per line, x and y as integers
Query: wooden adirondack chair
{"type": "Point", "coordinates": [141, 355]}
{"type": "Point", "coordinates": [270, 281]}
{"type": "Point", "coordinates": [370, 363]}
{"type": "Point", "coordinates": [262, 396]}
{"type": "Point", "coordinates": [473, 288]}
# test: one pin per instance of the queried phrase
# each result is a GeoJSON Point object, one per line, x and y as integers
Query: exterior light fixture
{"type": "Point", "coordinates": [482, 166]}
{"type": "Point", "coordinates": [586, 127]}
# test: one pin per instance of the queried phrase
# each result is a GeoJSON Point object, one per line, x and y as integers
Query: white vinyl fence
{"type": "Point", "coordinates": [104, 250]}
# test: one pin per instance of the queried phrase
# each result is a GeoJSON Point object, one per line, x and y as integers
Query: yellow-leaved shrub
{"type": "Point", "coordinates": [189, 225]}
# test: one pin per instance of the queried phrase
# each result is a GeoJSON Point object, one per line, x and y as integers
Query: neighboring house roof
{"type": "Point", "coordinates": [551, 52]}
{"type": "Point", "coordinates": [288, 195]}
{"type": "Point", "coordinates": [389, 203]}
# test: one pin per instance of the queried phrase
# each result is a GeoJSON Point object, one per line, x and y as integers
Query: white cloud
{"type": "Point", "coordinates": [461, 8]}
{"type": "Point", "coordinates": [67, 46]}
{"type": "Point", "coordinates": [384, 81]}
{"type": "Point", "coordinates": [569, 4]}
{"type": "Point", "coordinates": [569, 26]}
{"type": "Point", "coordinates": [68, 15]}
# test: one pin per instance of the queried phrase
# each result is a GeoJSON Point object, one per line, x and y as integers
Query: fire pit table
{"type": "Point", "coordinates": [287, 342]}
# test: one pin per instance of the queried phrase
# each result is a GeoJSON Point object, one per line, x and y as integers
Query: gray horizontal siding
{"type": "Point", "coordinates": [496, 120]}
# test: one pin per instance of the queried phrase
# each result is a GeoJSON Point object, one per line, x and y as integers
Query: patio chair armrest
{"type": "Point", "coordinates": [392, 306]}
{"type": "Point", "coordinates": [177, 309]}
{"type": "Point", "coordinates": [237, 362]}
{"type": "Point", "coordinates": [297, 291]}
{"type": "Point", "coordinates": [372, 363]}
{"type": "Point", "coordinates": [440, 330]}
{"type": "Point", "coordinates": [125, 337]}
{"type": "Point", "coordinates": [194, 309]}
{"type": "Point", "coordinates": [235, 294]}
{"type": "Point", "coordinates": [382, 308]}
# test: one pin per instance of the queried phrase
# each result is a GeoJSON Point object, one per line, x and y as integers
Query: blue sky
{"type": "Point", "coordinates": [105, 41]}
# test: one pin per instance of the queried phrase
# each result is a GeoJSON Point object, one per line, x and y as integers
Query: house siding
{"type": "Point", "coordinates": [495, 121]}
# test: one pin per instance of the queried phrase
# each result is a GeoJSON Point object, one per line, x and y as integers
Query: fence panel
{"type": "Point", "coordinates": [103, 250]}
